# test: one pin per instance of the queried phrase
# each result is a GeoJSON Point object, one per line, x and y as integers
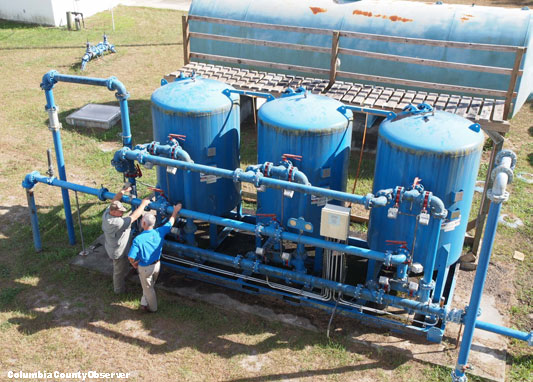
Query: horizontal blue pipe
{"type": "Point", "coordinates": [523, 336]}
{"type": "Point", "coordinates": [347, 290]}
{"type": "Point", "coordinates": [103, 194]}
{"type": "Point", "coordinates": [240, 176]}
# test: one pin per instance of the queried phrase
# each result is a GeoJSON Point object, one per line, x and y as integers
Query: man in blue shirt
{"type": "Point", "coordinates": [145, 253]}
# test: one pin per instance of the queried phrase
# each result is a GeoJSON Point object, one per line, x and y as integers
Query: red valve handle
{"type": "Point", "coordinates": [178, 136]}
{"type": "Point", "coordinates": [291, 156]}
{"type": "Point", "coordinates": [271, 216]}
{"type": "Point", "coordinates": [392, 242]}
{"type": "Point", "coordinates": [157, 190]}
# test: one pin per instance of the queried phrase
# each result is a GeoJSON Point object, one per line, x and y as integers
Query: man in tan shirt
{"type": "Point", "coordinates": [117, 229]}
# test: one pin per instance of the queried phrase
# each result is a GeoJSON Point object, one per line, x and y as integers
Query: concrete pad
{"type": "Point", "coordinates": [178, 5]}
{"type": "Point", "coordinates": [487, 356]}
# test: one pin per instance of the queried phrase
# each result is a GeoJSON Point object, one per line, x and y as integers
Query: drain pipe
{"type": "Point", "coordinates": [34, 220]}
{"type": "Point", "coordinates": [501, 175]}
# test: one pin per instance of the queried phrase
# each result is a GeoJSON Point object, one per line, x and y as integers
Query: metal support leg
{"type": "Point", "coordinates": [498, 141]}
{"type": "Point", "coordinates": [34, 221]}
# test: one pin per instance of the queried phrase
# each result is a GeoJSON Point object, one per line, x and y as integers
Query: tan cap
{"type": "Point", "coordinates": [117, 206]}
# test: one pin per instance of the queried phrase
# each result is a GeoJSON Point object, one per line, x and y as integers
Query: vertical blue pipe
{"type": "Point", "coordinates": [34, 221]}
{"type": "Point", "coordinates": [56, 135]}
{"type": "Point", "coordinates": [477, 290]}
{"type": "Point", "coordinates": [190, 227]}
{"type": "Point", "coordinates": [431, 257]}
{"type": "Point", "coordinates": [126, 134]}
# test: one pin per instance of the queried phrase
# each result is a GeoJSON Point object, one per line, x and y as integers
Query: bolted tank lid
{"type": "Point", "coordinates": [422, 129]}
{"type": "Point", "coordinates": [302, 111]}
{"type": "Point", "coordinates": [194, 95]}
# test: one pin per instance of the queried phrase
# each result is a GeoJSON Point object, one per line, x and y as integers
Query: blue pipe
{"type": "Point", "coordinates": [111, 83]}
{"type": "Point", "coordinates": [358, 291]}
{"type": "Point", "coordinates": [501, 175]}
{"type": "Point", "coordinates": [427, 284]}
{"type": "Point", "coordinates": [239, 175]}
{"type": "Point", "coordinates": [367, 110]}
{"type": "Point", "coordinates": [280, 172]}
{"type": "Point", "coordinates": [477, 291]}
{"type": "Point", "coordinates": [523, 336]}
{"type": "Point", "coordinates": [54, 126]}
{"type": "Point", "coordinates": [103, 194]}
{"type": "Point", "coordinates": [34, 221]}
{"type": "Point", "coordinates": [268, 96]}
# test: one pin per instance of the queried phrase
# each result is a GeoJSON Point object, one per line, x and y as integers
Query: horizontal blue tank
{"type": "Point", "coordinates": [210, 120]}
{"type": "Point", "coordinates": [451, 22]}
{"type": "Point", "coordinates": [311, 126]}
{"type": "Point", "coordinates": [444, 152]}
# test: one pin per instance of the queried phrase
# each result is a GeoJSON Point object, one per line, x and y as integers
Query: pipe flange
{"type": "Point", "coordinates": [455, 315]}
{"type": "Point", "coordinates": [456, 378]}
{"type": "Point", "coordinates": [237, 261]}
{"type": "Point", "coordinates": [257, 179]}
{"type": "Point", "coordinates": [388, 259]}
{"type": "Point", "coordinates": [259, 230]}
{"type": "Point", "coordinates": [357, 292]}
{"type": "Point", "coordinates": [277, 234]}
{"type": "Point", "coordinates": [497, 198]}
{"type": "Point", "coordinates": [101, 193]}
{"type": "Point", "coordinates": [368, 201]}
{"type": "Point", "coordinates": [505, 170]}
{"type": "Point", "coordinates": [255, 268]}
{"type": "Point", "coordinates": [440, 215]}
{"type": "Point", "coordinates": [503, 154]}
{"type": "Point", "coordinates": [237, 175]}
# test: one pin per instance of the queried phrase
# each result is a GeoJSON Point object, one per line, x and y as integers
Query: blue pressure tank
{"type": "Point", "coordinates": [444, 151]}
{"type": "Point", "coordinates": [300, 123]}
{"type": "Point", "coordinates": [210, 122]}
{"type": "Point", "coordinates": [434, 21]}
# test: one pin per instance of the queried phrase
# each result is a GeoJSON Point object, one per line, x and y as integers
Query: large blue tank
{"type": "Point", "coordinates": [311, 126]}
{"type": "Point", "coordinates": [210, 120]}
{"type": "Point", "coordinates": [436, 21]}
{"type": "Point", "coordinates": [444, 151]}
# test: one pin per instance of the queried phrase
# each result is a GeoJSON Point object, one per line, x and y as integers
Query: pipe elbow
{"type": "Point", "coordinates": [30, 180]}
{"type": "Point", "coordinates": [301, 178]}
{"type": "Point", "coordinates": [114, 84]}
{"type": "Point", "coordinates": [438, 210]}
{"type": "Point", "coordinates": [49, 81]}
{"type": "Point", "coordinates": [254, 168]}
{"type": "Point", "coordinates": [372, 201]}
{"type": "Point", "coordinates": [119, 160]}
{"type": "Point", "coordinates": [183, 155]}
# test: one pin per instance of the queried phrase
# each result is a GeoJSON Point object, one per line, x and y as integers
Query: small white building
{"type": "Point", "coordinates": [50, 12]}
